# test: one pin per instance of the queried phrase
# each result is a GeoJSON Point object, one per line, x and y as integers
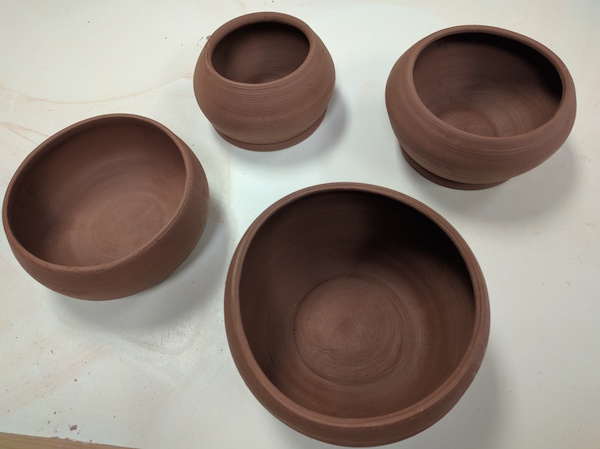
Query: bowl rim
{"type": "Point", "coordinates": [75, 129]}
{"type": "Point", "coordinates": [252, 19]}
{"type": "Point", "coordinates": [567, 85]}
{"type": "Point", "coordinates": [452, 385]}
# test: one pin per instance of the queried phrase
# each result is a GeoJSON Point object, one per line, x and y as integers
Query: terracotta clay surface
{"type": "Point", "coordinates": [473, 106]}
{"type": "Point", "coordinates": [355, 314]}
{"type": "Point", "coordinates": [264, 81]}
{"type": "Point", "coordinates": [106, 207]}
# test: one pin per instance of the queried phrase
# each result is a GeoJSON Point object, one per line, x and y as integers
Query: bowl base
{"type": "Point", "coordinates": [349, 319]}
{"type": "Point", "coordinates": [443, 181]}
{"type": "Point", "coordinates": [276, 145]}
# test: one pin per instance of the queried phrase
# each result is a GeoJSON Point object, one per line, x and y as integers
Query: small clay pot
{"type": "Point", "coordinates": [264, 81]}
{"type": "Point", "coordinates": [355, 314]}
{"type": "Point", "coordinates": [474, 106]}
{"type": "Point", "coordinates": [106, 207]}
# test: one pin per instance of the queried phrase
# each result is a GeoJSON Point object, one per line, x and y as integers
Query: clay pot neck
{"type": "Point", "coordinates": [260, 52]}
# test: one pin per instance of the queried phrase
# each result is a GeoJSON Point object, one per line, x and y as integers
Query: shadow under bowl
{"type": "Point", "coordinates": [264, 81]}
{"type": "Point", "coordinates": [355, 314]}
{"type": "Point", "coordinates": [474, 106]}
{"type": "Point", "coordinates": [106, 207]}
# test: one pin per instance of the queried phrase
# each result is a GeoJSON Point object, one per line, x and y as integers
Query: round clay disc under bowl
{"type": "Point", "coordinates": [106, 207]}
{"type": "Point", "coordinates": [355, 314]}
{"type": "Point", "coordinates": [474, 106]}
{"type": "Point", "coordinates": [264, 81]}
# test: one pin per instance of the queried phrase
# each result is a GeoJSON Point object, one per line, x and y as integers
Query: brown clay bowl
{"type": "Point", "coordinates": [106, 207]}
{"type": "Point", "coordinates": [474, 106]}
{"type": "Point", "coordinates": [355, 314]}
{"type": "Point", "coordinates": [264, 81]}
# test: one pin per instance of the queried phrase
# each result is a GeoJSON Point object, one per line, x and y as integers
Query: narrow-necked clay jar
{"type": "Point", "coordinates": [264, 81]}
{"type": "Point", "coordinates": [474, 106]}
{"type": "Point", "coordinates": [106, 207]}
{"type": "Point", "coordinates": [355, 314]}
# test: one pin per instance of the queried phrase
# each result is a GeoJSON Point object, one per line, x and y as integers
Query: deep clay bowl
{"type": "Point", "coordinates": [355, 314]}
{"type": "Point", "coordinates": [474, 106]}
{"type": "Point", "coordinates": [106, 207]}
{"type": "Point", "coordinates": [264, 81]}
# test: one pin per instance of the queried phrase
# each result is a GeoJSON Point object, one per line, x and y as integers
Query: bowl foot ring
{"type": "Point", "coordinates": [443, 181]}
{"type": "Point", "coordinates": [276, 145]}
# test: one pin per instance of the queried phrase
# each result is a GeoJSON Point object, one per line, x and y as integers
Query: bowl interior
{"type": "Point", "coordinates": [98, 194]}
{"type": "Point", "coordinates": [260, 52]}
{"type": "Point", "coordinates": [487, 84]}
{"type": "Point", "coordinates": [355, 304]}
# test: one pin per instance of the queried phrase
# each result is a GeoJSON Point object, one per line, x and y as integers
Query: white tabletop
{"type": "Point", "coordinates": [154, 370]}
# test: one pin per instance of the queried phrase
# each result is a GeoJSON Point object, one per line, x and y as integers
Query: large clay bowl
{"type": "Point", "coordinates": [106, 207]}
{"type": "Point", "coordinates": [474, 106]}
{"type": "Point", "coordinates": [264, 81]}
{"type": "Point", "coordinates": [355, 314]}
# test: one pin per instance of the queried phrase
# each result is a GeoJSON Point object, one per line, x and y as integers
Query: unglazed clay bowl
{"type": "Point", "coordinates": [264, 81]}
{"type": "Point", "coordinates": [474, 106]}
{"type": "Point", "coordinates": [355, 314]}
{"type": "Point", "coordinates": [106, 207]}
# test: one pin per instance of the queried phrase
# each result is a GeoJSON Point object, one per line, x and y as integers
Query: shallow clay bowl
{"type": "Point", "coordinates": [106, 207]}
{"type": "Point", "coordinates": [355, 314]}
{"type": "Point", "coordinates": [474, 106]}
{"type": "Point", "coordinates": [264, 81]}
